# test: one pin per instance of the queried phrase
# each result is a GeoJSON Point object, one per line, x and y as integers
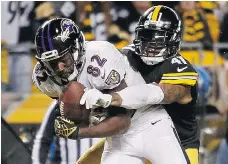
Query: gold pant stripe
{"type": "Point", "coordinates": [193, 155]}
{"type": "Point", "coordinates": [93, 155]}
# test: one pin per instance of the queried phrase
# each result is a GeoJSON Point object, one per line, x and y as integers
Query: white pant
{"type": "Point", "coordinates": [157, 142]}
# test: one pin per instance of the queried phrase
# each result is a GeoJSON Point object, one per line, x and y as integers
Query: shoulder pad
{"type": "Point", "coordinates": [44, 83]}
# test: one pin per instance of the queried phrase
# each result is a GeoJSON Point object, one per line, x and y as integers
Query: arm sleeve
{"type": "Point", "coordinates": [44, 136]}
{"type": "Point", "coordinates": [142, 95]}
{"type": "Point", "coordinates": [108, 67]}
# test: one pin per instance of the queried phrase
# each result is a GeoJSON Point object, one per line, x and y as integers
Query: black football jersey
{"type": "Point", "coordinates": [174, 70]}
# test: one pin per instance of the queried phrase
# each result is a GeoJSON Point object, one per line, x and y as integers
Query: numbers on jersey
{"type": "Point", "coordinates": [22, 8]}
{"type": "Point", "coordinates": [25, 9]}
{"type": "Point", "coordinates": [95, 71]}
{"type": "Point", "coordinates": [178, 60]}
{"type": "Point", "coordinates": [99, 61]}
{"type": "Point", "coordinates": [12, 9]}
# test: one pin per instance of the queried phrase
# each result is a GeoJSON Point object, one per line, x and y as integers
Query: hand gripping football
{"type": "Point", "coordinates": [70, 107]}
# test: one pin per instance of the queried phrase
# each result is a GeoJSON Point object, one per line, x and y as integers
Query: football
{"type": "Point", "coordinates": [69, 102]}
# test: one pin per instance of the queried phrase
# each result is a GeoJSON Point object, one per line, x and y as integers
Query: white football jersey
{"type": "Point", "coordinates": [105, 67]}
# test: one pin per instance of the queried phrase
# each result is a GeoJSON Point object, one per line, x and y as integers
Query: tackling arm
{"type": "Point", "coordinates": [176, 93]}
{"type": "Point", "coordinates": [140, 95]}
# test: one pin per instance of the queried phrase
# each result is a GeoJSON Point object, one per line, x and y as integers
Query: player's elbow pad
{"type": "Point", "coordinates": [138, 96]}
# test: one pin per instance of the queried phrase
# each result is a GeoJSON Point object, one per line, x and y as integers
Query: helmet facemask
{"type": "Point", "coordinates": [153, 46]}
{"type": "Point", "coordinates": [65, 66]}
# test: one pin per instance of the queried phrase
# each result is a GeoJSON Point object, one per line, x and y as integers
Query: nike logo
{"type": "Point", "coordinates": [153, 123]}
{"type": "Point", "coordinates": [181, 69]}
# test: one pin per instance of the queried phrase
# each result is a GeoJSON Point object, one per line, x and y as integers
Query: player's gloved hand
{"type": "Point", "coordinates": [66, 128]}
{"type": "Point", "coordinates": [93, 98]}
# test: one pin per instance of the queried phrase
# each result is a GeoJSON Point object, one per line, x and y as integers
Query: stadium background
{"type": "Point", "coordinates": [205, 44]}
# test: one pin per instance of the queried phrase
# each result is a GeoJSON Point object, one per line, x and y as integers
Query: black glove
{"type": "Point", "coordinates": [66, 128]}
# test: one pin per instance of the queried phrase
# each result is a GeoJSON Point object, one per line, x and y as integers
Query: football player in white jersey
{"type": "Point", "coordinates": [155, 55]}
{"type": "Point", "coordinates": [64, 56]}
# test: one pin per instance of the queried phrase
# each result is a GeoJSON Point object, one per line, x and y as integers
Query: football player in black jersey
{"type": "Point", "coordinates": [171, 80]}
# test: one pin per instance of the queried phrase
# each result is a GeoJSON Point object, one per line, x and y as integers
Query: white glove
{"type": "Point", "coordinates": [93, 98]}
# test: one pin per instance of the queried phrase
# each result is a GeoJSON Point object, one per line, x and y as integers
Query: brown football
{"type": "Point", "coordinates": [70, 104]}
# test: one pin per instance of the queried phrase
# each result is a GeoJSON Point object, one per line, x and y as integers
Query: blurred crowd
{"type": "Point", "coordinates": [205, 27]}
